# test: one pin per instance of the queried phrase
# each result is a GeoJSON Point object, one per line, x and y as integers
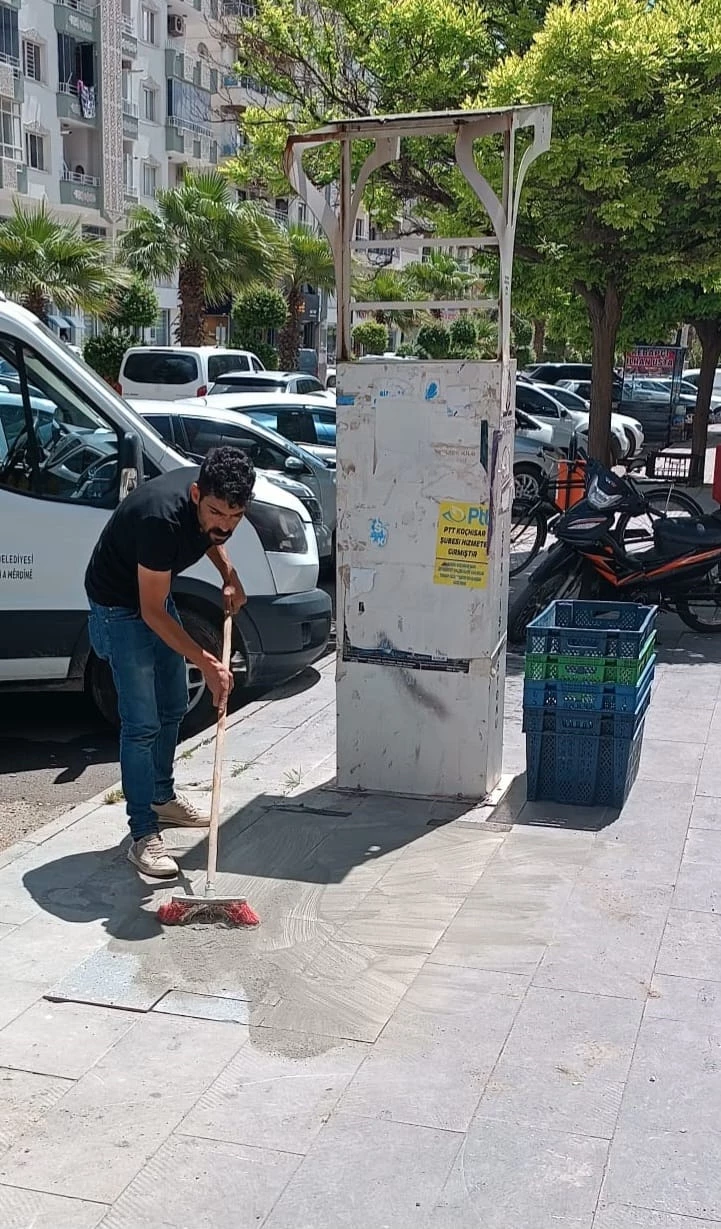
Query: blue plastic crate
{"type": "Point", "coordinates": [600, 725]}
{"type": "Point", "coordinates": [591, 629]}
{"type": "Point", "coordinates": [582, 769]}
{"type": "Point", "coordinates": [587, 697]}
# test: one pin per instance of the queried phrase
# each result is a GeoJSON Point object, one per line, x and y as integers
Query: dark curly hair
{"type": "Point", "coordinates": [227, 474]}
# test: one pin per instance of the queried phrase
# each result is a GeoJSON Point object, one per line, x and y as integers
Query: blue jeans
{"type": "Point", "coordinates": [152, 689]}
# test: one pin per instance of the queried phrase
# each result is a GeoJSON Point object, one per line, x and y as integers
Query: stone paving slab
{"type": "Point", "coordinates": [451, 1016]}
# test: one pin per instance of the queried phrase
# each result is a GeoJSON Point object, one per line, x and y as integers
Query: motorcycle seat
{"type": "Point", "coordinates": [675, 535]}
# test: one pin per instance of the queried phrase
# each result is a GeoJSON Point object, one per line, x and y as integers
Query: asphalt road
{"type": "Point", "coordinates": [55, 751]}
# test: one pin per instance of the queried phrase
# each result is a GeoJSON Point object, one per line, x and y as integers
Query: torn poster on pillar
{"type": "Point", "coordinates": [462, 545]}
{"type": "Point", "coordinates": [386, 654]}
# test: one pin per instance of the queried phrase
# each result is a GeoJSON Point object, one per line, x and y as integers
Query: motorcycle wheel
{"type": "Point", "coordinates": [533, 599]}
{"type": "Point", "coordinates": [703, 616]}
{"type": "Point", "coordinates": [636, 533]}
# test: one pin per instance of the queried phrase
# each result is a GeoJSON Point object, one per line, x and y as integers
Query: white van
{"type": "Point", "coordinates": [165, 373]}
{"type": "Point", "coordinates": [62, 471]}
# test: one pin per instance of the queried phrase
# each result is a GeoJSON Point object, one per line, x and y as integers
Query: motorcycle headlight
{"type": "Point", "coordinates": [279, 529]}
{"type": "Point", "coordinates": [601, 499]}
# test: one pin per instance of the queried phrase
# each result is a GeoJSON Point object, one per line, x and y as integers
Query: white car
{"type": "Point", "coordinates": [544, 404]}
{"type": "Point", "coordinates": [691, 376]}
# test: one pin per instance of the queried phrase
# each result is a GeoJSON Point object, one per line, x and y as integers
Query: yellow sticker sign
{"type": "Point", "coordinates": [462, 545]}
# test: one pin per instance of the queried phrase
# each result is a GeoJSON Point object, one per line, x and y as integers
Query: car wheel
{"type": "Point", "coordinates": [201, 710]}
{"type": "Point", "coordinates": [527, 480]}
{"type": "Point", "coordinates": [631, 442]}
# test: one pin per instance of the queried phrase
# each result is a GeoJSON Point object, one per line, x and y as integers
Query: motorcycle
{"type": "Point", "coordinates": [680, 572]}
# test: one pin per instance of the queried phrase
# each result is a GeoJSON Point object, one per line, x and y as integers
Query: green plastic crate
{"type": "Point", "coordinates": [625, 671]}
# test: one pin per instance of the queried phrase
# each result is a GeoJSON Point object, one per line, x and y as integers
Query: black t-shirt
{"type": "Point", "coordinates": [155, 526]}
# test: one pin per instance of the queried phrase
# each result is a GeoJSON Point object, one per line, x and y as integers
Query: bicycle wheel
{"type": "Point", "coordinates": [636, 532]}
{"type": "Point", "coordinates": [529, 530]}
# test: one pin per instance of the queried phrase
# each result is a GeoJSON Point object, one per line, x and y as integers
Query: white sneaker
{"type": "Point", "coordinates": [181, 813]}
{"type": "Point", "coordinates": [149, 856]}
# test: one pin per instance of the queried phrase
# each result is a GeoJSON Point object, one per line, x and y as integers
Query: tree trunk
{"type": "Point", "coordinates": [291, 334]}
{"type": "Point", "coordinates": [539, 339]}
{"type": "Point", "coordinates": [37, 304]}
{"type": "Point", "coordinates": [604, 311]}
{"type": "Point", "coordinates": [709, 334]}
{"type": "Point", "coordinates": [191, 295]}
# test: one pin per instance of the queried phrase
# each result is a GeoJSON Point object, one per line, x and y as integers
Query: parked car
{"type": "Point", "coordinates": [179, 429]}
{"type": "Point", "coordinates": [691, 375]}
{"type": "Point", "coordinates": [330, 378]}
{"type": "Point", "coordinates": [532, 462]}
{"type": "Point", "coordinates": [551, 373]}
{"type": "Point", "coordinates": [302, 420]}
{"type": "Point", "coordinates": [541, 405]}
{"type": "Point", "coordinates": [285, 382]}
{"type": "Point", "coordinates": [59, 485]}
{"type": "Point", "coordinates": [193, 427]}
{"type": "Point", "coordinates": [167, 373]}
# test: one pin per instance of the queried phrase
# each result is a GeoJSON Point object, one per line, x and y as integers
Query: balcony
{"type": "Point", "coordinates": [76, 189]}
{"type": "Point", "coordinates": [70, 107]}
{"type": "Point", "coordinates": [186, 138]}
{"type": "Point", "coordinates": [77, 19]}
{"type": "Point", "coordinates": [129, 37]}
{"type": "Point", "coordinates": [132, 195]}
{"type": "Point", "coordinates": [12, 84]}
{"type": "Point", "coordinates": [130, 119]}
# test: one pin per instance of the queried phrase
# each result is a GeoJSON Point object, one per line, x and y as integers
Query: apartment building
{"type": "Point", "coordinates": [102, 104]}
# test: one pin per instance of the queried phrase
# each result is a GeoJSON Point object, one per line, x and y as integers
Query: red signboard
{"type": "Point", "coordinates": [652, 361]}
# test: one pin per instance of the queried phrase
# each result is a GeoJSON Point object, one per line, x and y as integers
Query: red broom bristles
{"type": "Point", "coordinates": [176, 913]}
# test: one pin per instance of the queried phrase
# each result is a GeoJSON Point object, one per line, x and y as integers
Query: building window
{"type": "Point", "coordinates": [147, 25]}
{"type": "Point", "coordinates": [32, 61]}
{"type": "Point", "coordinates": [213, 74]}
{"type": "Point", "coordinates": [35, 151]}
{"type": "Point", "coordinates": [148, 101]}
{"type": "Point", "coordinates": [10, 130]}
{"type": "Point", "coordinates": [9, 36]}
{"type": "Point", "coordinates": [359, 228]}
{"type": "Point", "coordinates": [150, 179]}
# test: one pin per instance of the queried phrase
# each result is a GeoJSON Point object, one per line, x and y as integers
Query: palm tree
{"type": "Point", "coordinates": [215, 244]}
{"type": "Point", "coordinates": [389, 286]}
{"type": "Point", "coordinates": [311, 264]}
{"type": "Point", "coordinates": [441, 277]}
{"type": "Point", "coordinates": [45, 261]}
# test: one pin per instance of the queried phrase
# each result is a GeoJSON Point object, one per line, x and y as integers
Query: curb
{"type": "Point", "coordinates": [82, 809]}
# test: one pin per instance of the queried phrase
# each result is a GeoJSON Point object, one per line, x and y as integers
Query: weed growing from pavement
{"type": "Point", "coordinates": [113, 796]}
{"type": "Point", "coordinates": [237, 769]}
{"type": "Point", "coordinates": [292, 779]}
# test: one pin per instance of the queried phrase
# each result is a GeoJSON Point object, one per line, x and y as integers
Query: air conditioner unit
{"type": "Point", "coordinates": [176, 25]}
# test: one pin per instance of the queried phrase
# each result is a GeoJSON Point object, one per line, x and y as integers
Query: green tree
{"type": "Point", "coordinates": [371, 336]}
{"type": "Point", "coordinates": [440, 277]}
{"type": "Point", "coordinates": [133, 307]}
{"type": "Point", "coordinates": [360, 57]}
{"type": "Point", "coordinates": [104, 352]}
{"type": "Point", "coordinates": [215, 244]}
{"type": "Point", "coordinates": [255, 313]}
{"type": "Point", "coordinates": [44, 261]}
{"type": "Point", "coordinates": [387, 286]}
{"type": "Point", "coordinates": [433, 341]}
{"type": "Point", "coordinates": [628, 195]}
{"type": "Point", "coordinates": [310, 264]}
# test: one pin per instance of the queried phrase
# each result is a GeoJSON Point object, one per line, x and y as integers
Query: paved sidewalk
{"type": "Point", "coordinates": [448, 1019]}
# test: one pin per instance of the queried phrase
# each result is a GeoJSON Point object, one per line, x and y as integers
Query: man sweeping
{"type": "Point", "coordinates": [159, 530]}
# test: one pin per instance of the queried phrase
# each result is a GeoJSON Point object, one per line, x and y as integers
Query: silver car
{"type": "Point", "coordinates": [193, 427]}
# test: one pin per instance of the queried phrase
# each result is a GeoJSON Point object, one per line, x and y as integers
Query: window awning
{"type": "Point", "coordinates": [61, 322]}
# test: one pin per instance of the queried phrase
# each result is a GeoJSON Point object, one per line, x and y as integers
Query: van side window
{"type": "Point", "coordinates": [53, 443]}
{"type": "Point", "coordinates": [220, 364]}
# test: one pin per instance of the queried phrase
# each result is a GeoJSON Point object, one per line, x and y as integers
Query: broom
{"type": "Point", "coordinates": [231, 910]}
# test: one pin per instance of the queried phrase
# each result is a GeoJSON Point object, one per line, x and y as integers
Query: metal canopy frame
{"type": "Point", "coordinates": [386, 132]}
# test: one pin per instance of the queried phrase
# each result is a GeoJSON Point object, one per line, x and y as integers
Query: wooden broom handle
{"type": "Point", "coordinates": [218, 761]}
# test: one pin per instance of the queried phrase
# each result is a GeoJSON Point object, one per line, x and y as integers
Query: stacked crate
{"type": "Point", "coordinates": [589, 670]}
